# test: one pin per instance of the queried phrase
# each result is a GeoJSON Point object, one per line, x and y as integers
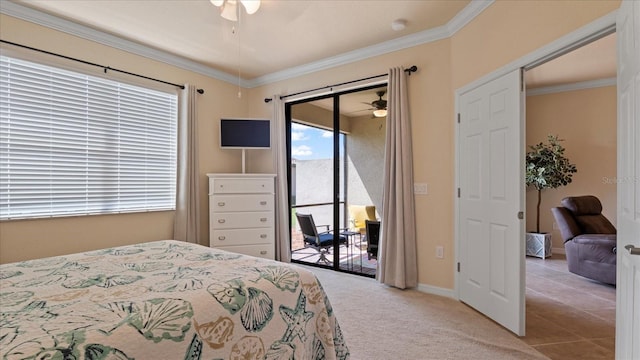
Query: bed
{"type": "Point", "coordinates": [164, 300]}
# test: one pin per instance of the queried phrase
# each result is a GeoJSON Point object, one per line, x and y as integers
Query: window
{"type": "Point", "coordinates": [74, 144]}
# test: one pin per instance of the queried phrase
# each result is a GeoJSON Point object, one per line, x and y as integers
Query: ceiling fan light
{"type": "Point", "coordinates": [230, 11]}
{"type": "Point", "coordinates": [251, 6]}
{"type": "Point", "coordinates": [380, 113]}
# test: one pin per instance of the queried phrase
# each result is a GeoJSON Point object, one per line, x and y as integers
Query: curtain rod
{"type": "Point", "coordinates": [106, 68]}
{"type": "Point", "coordinates": [410, 70]}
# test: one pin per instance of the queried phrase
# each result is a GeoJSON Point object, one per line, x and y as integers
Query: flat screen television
{"type": "Point", "coordinates": [245, 133]}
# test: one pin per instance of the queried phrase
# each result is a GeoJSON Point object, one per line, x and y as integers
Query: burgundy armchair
{"type": "Point", "coordinates": [589, 238]}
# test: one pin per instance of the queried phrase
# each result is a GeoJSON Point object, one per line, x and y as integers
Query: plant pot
{"type": "Point", "coordinates": [539, 245]}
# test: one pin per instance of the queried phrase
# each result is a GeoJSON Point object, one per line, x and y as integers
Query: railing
{"type": "Point", "coordinates": [316, 204]}
{"type": "Point", "coordinates": [353, 258]}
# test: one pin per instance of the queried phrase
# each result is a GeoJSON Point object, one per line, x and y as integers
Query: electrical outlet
{"type": "Point", "coordinates": [420, 188]}
{"type": "Point", "coordinates": [555, 226]}
{"type": "Point", "coordinates": [440, 252]}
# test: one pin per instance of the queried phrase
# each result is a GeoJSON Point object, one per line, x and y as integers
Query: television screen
{"type": "Point", "coordinates": [245, 133]}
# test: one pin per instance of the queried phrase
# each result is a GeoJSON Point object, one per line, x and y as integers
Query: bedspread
{"type": "Point", "coordinates": [164, 300]}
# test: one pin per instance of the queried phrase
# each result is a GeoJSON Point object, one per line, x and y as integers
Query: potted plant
{"type": "Point", "coordinates": [546, 168]}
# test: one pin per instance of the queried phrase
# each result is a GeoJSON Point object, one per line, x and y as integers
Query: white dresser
{"type": "Point", "coordinates": [241, 213]}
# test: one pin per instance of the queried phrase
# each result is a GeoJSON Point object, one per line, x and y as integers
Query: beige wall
{"type": "Point", "coordinates": [505, 31]}
{"type": "Point", "coordinates": [31, 239]}
{"type": "Point", "coordinates": [586, 119]}
{"type": "Point", "coordinates": [508, 30]}
{"type": "Point", "coordinates": [27, 239]}
{"type": "Point", "coordinates": [432, 127]}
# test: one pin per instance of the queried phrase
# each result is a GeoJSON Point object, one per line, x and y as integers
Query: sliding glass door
{"type": "Point", "coordinates": [336, 151]}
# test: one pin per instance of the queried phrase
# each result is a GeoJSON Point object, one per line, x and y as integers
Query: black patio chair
{"type": "Point", "coordinates": [321, 241]}
{"type": "Point", "coordinates": [372, 237]}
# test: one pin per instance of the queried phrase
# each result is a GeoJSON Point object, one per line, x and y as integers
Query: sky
{"type": "Point", "coordinates": [309, 143]}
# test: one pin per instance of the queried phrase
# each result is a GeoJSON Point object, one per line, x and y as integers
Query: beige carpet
{"type": "Point", "coordinates": [380, 322]}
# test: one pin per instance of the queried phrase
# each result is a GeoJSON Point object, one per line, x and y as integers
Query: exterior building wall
{"type": "Point", "coordinates": [365, 149]}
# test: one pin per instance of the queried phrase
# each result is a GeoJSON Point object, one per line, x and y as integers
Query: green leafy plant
{"type": "Point", "coordinates": [547, 168]}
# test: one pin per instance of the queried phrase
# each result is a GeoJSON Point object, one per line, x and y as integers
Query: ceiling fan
{"type": "Point", "coordinates": [379, 106]}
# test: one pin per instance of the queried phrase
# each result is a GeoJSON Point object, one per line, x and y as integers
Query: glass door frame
{"type": "Point", "coordinates": [336, 170]}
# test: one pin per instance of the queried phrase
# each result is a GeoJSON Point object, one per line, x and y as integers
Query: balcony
{"type": "Point", "coordinates": [353, 256]}
{"type": "Point", "coordinates": [347, 164]}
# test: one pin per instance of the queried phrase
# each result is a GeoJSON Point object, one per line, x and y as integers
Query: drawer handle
{"type": "Point", "coordinates": [263, 219]}
{"type": "Point", "coordinates": [221, 221]}
{"type": "Point", "coordinates": [263, 252]}
{"type": "Point", "coordinates": [222, 238]}
{"type": "Point", "coordinates": [263, 236]}
{"type": "Point", "coordinates": [263, 203]}
{"type": "Point", "coordinates": [221, 203]}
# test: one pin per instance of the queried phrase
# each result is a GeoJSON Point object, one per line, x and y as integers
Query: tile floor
{"type": "Point", "coordinates": [568, 316]}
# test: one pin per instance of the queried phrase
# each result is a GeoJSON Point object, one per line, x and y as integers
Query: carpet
{"type": "Point", "coordinates": [381, 323]}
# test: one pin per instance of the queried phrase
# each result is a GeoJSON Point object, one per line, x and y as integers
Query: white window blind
{"type": "Point", "coordinates": [73, 144]}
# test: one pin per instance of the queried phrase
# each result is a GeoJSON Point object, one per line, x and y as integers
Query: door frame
{"type": "Point", "coordinates": [628, 226]}
{"type": "Point", "coordinates": [335, 95]}
{"type": "Point", "coordinates": [335, 167]}
{"type": "Point", "coordinates": [575, 39]}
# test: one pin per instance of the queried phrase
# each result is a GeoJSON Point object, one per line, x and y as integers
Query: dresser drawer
{"type": "Point", "coordinates": [262, 251]}
{"type": "Point", "coordinates": [240, 185]}
{"type": "Point", "coordinates": [241, 237]}
{"type": "Point", "coordinates": [241, 220]}
{"type": "Point", "coordinates": [256, 202]}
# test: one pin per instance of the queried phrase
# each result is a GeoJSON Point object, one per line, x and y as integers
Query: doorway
{"type": "Point", "coordinates": [515, 262]}
{"type": "Point", "coordinates": [336, 162]}
{"type": "Point", "coordinates": [579, 106]}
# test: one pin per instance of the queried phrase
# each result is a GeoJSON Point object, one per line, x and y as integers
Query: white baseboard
{"type": "Point", "coordinates": [434, 290]}
{"type": "Point", "coordinates": [558, 251]}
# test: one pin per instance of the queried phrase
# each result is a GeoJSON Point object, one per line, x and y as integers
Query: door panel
{"type": "Point", "coordinates": [337, 153]}
{"type": "Point", "coordinates": [628, 265]}
{"type": "Point", "coordinates": [491, 178]}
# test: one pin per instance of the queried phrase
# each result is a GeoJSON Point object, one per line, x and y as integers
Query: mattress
{"type": "Point", "coordinates": [164, 300]}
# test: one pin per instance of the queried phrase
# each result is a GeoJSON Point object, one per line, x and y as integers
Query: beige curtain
{"type": "Point", "coordinates": [186, 224]}
{"type": "Point", "coordinates": [397, 259]}
{"type": "Point", "coordinates": [283, 243]}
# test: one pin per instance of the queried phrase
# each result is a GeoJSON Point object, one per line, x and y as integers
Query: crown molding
{"type": "Point", "coordinates": [352, 56]}
{"type": "Point", "coordinates": [467, 14]}
{"type": "Point", "coordinates": [53, 22]}
{"type": "Point", "coordinates": [583, 85]}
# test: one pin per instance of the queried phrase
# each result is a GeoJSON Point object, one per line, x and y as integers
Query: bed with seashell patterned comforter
{"type": "Point", "coordinates": [164, 300]}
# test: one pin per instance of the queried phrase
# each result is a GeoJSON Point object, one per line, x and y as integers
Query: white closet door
{"type": "Point", "coordinates": [491, 179]}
